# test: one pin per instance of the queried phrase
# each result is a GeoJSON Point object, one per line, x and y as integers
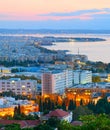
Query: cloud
{"type": "Point", "coordinates": [7, 16]}
{"type": "Point", "coordinates": [3, 15]}
{"type": "Point", "coordinates": [69, 13]}
{"type": "Point", "coordinates": [82, 15]}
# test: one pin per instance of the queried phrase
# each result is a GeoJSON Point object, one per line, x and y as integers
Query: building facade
{"type": "Point", "coordinates": [56, 82]}
{"type": "Point", "coordinates": [82, 77]}
{"type": "Point", "coordinates": [18, 86]}
{"type": "Point", "coordinates": [60, 114]}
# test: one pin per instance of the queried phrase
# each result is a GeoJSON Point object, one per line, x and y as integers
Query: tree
{"type": "Point", "coordinates": [53, 122]}
{"type": "Point", "coordinates": [80, 111]}
{"type": "Point", "coordinates": [92, 122]}
{"type": "Point", "coordinates": [13, 127]}
{"type": "Point", "coordinates": [96, 79]}
{"type": "Point", "coordinates": [43, 127]}
{"type": "Point", "coordinates": [14, 70]}
{"type": "Point", "coordinates": [91, 106]}
{"type": "Point", "coordinates": [27, 129]}
{"type": "Point", "coordinates": [63, 106]}
{"type": "Point", "coordinates": [72, 105]}
{"type": "Point", "coordinates": [102, 106]}
{"type": "Point", "coordinates": [41, 104]}
{"type": "Point", "coordinates": [81, 102]}
{"type": "Point", "coordinates": [19, 109]}
{"type": "Point", "coordinates": [64, 125]}
{"type": "Point", "coordinates": [17, 113]}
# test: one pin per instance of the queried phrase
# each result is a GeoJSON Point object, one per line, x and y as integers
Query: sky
{"type": "Point", "coordinates": [55, 14]}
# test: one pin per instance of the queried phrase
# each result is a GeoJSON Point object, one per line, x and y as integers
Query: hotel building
{"type": "Point", "coordinates": [56, 81]}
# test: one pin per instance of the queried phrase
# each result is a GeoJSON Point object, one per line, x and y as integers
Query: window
{"type": "Point", "coordinates": [28, 86]}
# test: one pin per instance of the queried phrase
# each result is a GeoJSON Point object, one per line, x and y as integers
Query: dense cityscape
{"type": "Point", "coordinates": [54, 65]}
{"type": "Point", "coordinates": [50, 89]}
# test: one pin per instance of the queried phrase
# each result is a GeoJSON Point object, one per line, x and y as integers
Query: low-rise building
{"type": "Point", "coordinates": [8, 104]}
{"type": "Point", "coordinates": [60, 114]}
{"type": "Point", "coordinates": [108, 78]}
{"type": "Point", "coordinates": [4, 70]}
{"type": "Point", "coordinates": [18, 86]}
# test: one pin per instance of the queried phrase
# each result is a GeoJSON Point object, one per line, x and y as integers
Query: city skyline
{"type": "Point", "coordinates": [61, 14]}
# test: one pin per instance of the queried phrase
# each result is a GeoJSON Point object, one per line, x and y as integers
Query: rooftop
{"type": "Point", "coordinates": [23, 123]}
{"type": "Point", "coordinates": [57, 113]}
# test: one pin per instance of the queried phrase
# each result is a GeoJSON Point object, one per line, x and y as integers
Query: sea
{"type": "Point", "coordinates": [96, 51]}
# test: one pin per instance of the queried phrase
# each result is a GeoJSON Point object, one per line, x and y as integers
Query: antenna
{"type": "Point", "coordinates": [78, 51]}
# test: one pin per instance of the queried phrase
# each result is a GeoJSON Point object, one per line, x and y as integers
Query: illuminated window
{"type": "Point", "coordinates": [13, 81]}
{"type": "Point", "coordinates": [23, 86]}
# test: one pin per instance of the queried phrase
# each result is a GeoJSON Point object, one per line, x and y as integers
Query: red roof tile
{"type": "Point", "coordinates": [23, 123]}
{"type": "Point", "coordinates": [58, 113]}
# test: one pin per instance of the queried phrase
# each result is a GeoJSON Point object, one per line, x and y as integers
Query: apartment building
{"type": "Point", "coordinates": [56, 81]}
{"type": "Point", "coordinates": [82, 76]}
{"type": "Point", "coordinates": [18, 86]}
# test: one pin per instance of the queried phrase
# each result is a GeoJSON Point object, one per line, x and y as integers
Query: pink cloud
{"type": "Point", "coordinates": [39, 18]}
{"type": "Point", "coordinates": [97, 13]}
{"type": "Point", "coordinates": [84, 16]}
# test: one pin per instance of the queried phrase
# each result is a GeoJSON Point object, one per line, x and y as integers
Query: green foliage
{"type": "Point", "coordinates": [98, 67]}
{"type": "Point", "coordinates": [72, 105]}
{"type": "Point", "coordinates": [27, 129]}
{"type": "Point", "coordinates": [43, 127]}
{"type": "Point", "coordinates": [108, 67]}
{"type": "Point", "coordinates": [20, 116]}
{"type": "Point", "coordinates": [81, 111]}
{"type": "Point", "coordinates": [46, 105]}
{"type": "Point", "coordinates": [91, 106]}
{"type": "Point", "coordinates": [22, 77]}
{"type": "Point", "coordinates": [14, 70]}
{"type": "Point", "coordinates": [1, 125]}
{"type": "Point", "coordinates": [64, 106]}
{"type": "Point", "coordinates": [53, 122]}
{"type": "Point", "coordinates": [64, 125]}
{"type": "Point", "coordinates": [96, 79]}
{"type": "Point", "coordinates": [12, 127]}
{"type": "Point", "coordinates": [92, 122]}
{"type": "Point", "coordinates": [102, 106]}
{"type": "Point", "coordinates": [81, 102]}
{"type": "Point", "coordinates": [19, 63]}
{"type": "Point", "coordinates": [25, 117]}
{"type": "Point", "coordinates": [8, 94]}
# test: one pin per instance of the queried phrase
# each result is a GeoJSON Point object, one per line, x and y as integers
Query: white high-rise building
{"type": "Point", "coordinates": [82, 76]}
{"type": "Point", "coordinates": [56, 81]}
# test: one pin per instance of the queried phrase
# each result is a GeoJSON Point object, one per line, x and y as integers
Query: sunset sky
{"type": "Point", "coordinates": [55, 14]}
